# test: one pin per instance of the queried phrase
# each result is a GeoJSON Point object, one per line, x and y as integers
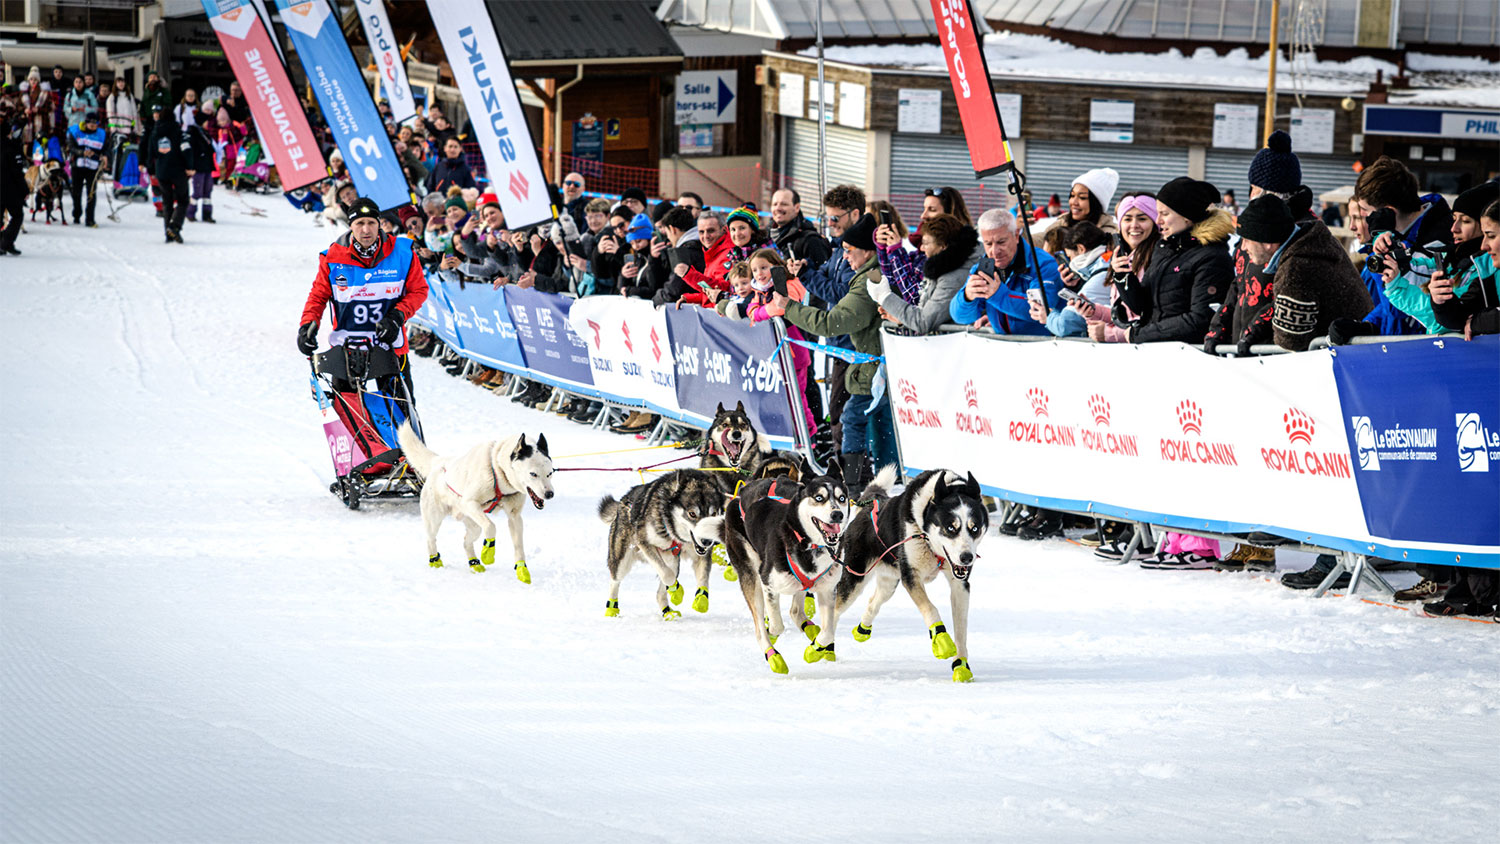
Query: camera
{"type": "Point", "coordinates": [1375, 261]}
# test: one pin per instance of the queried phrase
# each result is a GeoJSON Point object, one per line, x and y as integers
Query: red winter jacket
{"type": "Point", "coordinates": [716, 263]}
{"type": "Point", "coordinates": [341, 251]}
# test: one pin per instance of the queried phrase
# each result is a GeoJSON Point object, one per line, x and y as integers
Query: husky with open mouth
{"type": "Point", "coordinates": [784, 538]}
{"type": "Point", "coordinates": [934, 526]}
{"type": "Point", "coordinates": [502, 473]}
{"type": "Point", "coordinates": [678, 514]}
{"type": "Point", "coordinates": [732, 442]}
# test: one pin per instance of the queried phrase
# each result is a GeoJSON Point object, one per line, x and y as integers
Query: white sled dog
{"type": "Point", "coordinates": [489, 475]}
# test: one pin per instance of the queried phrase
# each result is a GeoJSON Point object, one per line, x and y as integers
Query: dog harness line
{"type": "Point", "coordinates": [489, 505]}
{"type": "Point", "coordinates": [875, 520]}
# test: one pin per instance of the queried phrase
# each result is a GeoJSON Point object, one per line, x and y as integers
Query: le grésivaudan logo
{"type": "Point", "coordinates": [1396, 444]}
{"type": "Point", "coordinates": [1478, 446]}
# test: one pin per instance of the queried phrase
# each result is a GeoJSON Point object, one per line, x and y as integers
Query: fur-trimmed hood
{"type": "Point", "coordinates": [1215, 229]}
{"type": "Point", "coordinates": [954, 255]}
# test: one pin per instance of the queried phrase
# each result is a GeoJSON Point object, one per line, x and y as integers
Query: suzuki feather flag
{"type": "Point", "coordinates": [386, 52]}
{"type": "Point", "coordinates": [971, 87]}
{"type": "Point", "coordinates": [340, 88]}
{"type": "Point", "coordinates": [484, 79]}
{"type": "Point", "coordinates": [282, 126]}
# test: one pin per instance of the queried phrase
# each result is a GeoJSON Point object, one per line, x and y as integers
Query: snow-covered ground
{"type": "Point", "coordinates": [199, 643]}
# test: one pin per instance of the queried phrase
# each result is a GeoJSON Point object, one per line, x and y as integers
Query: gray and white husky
{"type": "Point", "coordinates": [783, 538]}
{"type": "Point", "coordinates": [490, 475]}
{"type": "Point", "coordinates": [933, 527]}
{"type": "Point", "coordinates": [678, 514]}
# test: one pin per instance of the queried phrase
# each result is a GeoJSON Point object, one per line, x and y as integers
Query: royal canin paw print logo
{"type": "Point", "coordinates": [1038, 400]}
{"type": "Point", "coordinates": [1190, 417]}
{"type": "Point", "coordinates": [1299, 426]}
{"type": "Point", "coordinates": [907, 391]}
{"type": "Point", "coordinates": [1099, 410]}
{"type": "Point", "coordinates": [971, 396]}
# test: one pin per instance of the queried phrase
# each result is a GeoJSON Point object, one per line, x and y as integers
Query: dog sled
{"type": "Point", "coordinates": [360, 393]}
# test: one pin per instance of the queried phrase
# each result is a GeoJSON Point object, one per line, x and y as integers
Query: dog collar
{"type": "Point", "coordinates": [489, 505]}
{"type": "Point", "coordinates": [807, 582]}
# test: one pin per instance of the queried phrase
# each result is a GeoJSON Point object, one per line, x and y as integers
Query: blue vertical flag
{"type": "Point", "coordinates": [345, 100]}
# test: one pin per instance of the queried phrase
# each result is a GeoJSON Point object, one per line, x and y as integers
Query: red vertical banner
{"type": "Point", "coordinates": [971, 86]}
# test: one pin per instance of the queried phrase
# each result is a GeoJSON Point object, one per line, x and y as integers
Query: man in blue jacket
{"type": "Point", "coordinates": [999, 287]}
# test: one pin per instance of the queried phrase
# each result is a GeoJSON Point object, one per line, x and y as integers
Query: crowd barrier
{"type": "Point", "coordinates": [1389, 450]}
{"type": "Point", "coordinates": [679, 363]}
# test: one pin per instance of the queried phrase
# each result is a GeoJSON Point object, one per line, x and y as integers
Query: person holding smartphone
{"type": "Point", "coordinates": [995, 293]}
{"type": "Point", "coordinates": [951, 249]}
{"type": "Point", "coordinates": [1086, 251]}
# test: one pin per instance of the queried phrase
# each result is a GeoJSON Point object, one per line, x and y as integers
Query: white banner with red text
{"type": "Point", "coordinates": [1159, 433]}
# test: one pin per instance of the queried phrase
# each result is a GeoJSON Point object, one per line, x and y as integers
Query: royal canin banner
{"type": "Point", "coordinates": [630, 350]}
{"type": "Point", "coordinates": [1165, 434]}
{"type": "Point", "coordinates": [971, 86]}
{"type": "Point", "coordinates": [281, 125]}
{"type": "Point", "coordinates": [489, 93]}
{"type": "Point", "coordinates": [386, 51]}
{"type": "Point", "coordinates": [351, 115]}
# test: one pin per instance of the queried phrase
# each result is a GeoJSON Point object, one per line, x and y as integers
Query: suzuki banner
{"type": "Point", "coordinates": [1423, 424]}
{"type": "Point", "coordinates": [971, 86]}
{"type": "Point", "coordinates": [723, 361]}
{"type": "Point", "coordinates": [629, 350]}
{"type": "Point", "coordinates": [489, 93]}
{"type": "Point", "coordinates": [281, 124]}
{"type": "Point", "coordinates": [385, 50]}
{"type": "Point", "coordinates": [347, 108]}
{"type": "Point", "coordinates": [1165, 434]}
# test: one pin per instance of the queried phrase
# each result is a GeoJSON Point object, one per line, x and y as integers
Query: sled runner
{"type": "Point", "coordinates": [359, 390]}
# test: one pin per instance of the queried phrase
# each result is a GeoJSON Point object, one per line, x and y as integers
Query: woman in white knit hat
{"type": "Point", "coordinates": [1087, 200]}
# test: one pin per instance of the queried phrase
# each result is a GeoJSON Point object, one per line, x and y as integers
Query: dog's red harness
{"type": "Point", "coordinates": [875, 520]}
{"type": "Point", "coordinates": [489, 505]}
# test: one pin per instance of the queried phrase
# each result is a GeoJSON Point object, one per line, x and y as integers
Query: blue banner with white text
{"type": "Point", "coordinates": [1423, 423]}
{"type": "Point", "coordinates": [726, 361]}
{"type": "Point", "coordinates": [345, 100]}
{"type": "Point", "coordinates": [551, 346]}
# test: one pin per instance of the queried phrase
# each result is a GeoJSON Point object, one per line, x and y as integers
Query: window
{"type": "Point", "coordinates": [102, 17]}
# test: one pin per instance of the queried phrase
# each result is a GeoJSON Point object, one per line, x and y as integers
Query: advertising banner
{"type": "Point", "coordinates": [1423, 424]}
{"type": "Point", "coordinates": [386, 52]}
{"type": "Point", "coordinates": [489, 93]}
{"type": "Point", "coordinates": [283, 128]}
{"type": "Point", "coordinates": [724, 361]}
{"type": "Point", "coordinates": [550, 345]}
{"type": "Point", "coordinates": [347, 108]}
{"type": "Point", "coordinates": [971, 86]}
{"type": "Point", "coordinates": [629, 348]}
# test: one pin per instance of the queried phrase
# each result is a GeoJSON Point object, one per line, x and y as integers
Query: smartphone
{"type": "Point", "coordinates": [885, 217]}
{"type": "Point", "coordinates": [791, 253]}
{"type": "Point", "coordinates": [1066, 294]}
{"type": "Point", "coordinates": [778, 280]}
{"type": "Point", "coordinates": [985, 265]}
{"type": "Point", "coordinates": [1034, 295]}
{"type": "Point", "coordinates": [1061, 258]}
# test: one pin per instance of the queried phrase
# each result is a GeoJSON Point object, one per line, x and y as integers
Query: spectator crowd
{"type": "Point", "coordinates": [1182, 261]}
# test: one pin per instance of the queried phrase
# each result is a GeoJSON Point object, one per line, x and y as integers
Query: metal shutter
{"type": "Point", "coordinates": [1051, 167]}
{"type": "Point", "coordinates": [848, 157]}
{"type": "Point", "coordinates": [921, 162]}
{"type": "Point", "coordinates": [1230, 169]}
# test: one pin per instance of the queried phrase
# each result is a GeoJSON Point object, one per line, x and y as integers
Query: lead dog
{"type": "Point", "coordinates": [783, 538]}
{"type": "Point", "coordinates": [489, 475]}
{"type": "Point", "coordinates": [933, 527]}
{"type": "Point", "coordinates": [679, 513]}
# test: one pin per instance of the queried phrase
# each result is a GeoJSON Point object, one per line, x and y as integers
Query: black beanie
{"type": "Point", "coordinates": [1189, 197]}
{"type": "Point", "coordinates": [634, 193]}
{"type": "Point", "coordinates": [861, 235]}
{"type": "Point", "coordinates": [1473, 201]}
{"type": "Point", "coordinates": [1276, 167]}
{"type": "Point", "coordinates": [1267, 220]}
{"type": "Point", "coordinates": [362, 207]}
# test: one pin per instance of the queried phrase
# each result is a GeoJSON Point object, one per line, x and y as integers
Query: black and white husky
{"type": "Point", "coordinates": [679, 513]}
{"type": "Point", "coordinates": [732, 442]}
{"type": "Point", "coordinates": [489, 475]}
{"type": "Point", "coordinates": [933, 527]}
{"type": "Point", "coordinates": [783, 538]}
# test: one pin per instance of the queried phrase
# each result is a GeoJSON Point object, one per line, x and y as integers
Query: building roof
{"type": "Point", "coordinates": [580, 31]}
{"type": "Point", "coordinates": [1335, 23]}
{"type": "Point", "coordinates": [843, 20]}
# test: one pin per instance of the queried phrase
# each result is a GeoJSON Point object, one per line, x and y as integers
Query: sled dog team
{"type": "Point", "coordinates": [784, 534]}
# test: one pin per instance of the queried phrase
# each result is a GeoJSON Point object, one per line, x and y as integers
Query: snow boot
{"type": "Point", "coordinates": [942, 644]}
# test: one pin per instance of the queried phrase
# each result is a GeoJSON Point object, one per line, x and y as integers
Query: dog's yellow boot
{"type": "Point", "coordinates": [815, 653]}
{"type": "Point", "coordinates": [611, 609]}
{"type": "Point", "coordinates": [436, 561]}
{"type": "Point", "coordinates": [487, 552]}
{"type": "Point", "coordinates": [523, 574]}
{"type": "Point", "coordinates": [700, 600]}
{"type": "Point", "coordinates": [811, 630]}
{"type": "Point", "coordinates": [862, 633]}
{"type": "Point", "coordinates": [475, 566]}
{"type": "Point", "coordinates": [777, 662]}
{"type": "Point", "coordinates": [942, 643]}
{"type": "Point", "coordinates": [961, 672]}
{"type": "Point", "coordinates": [729, 574]}
{"type": "Point", "coordinates": [675, 593]}
{"type": "Point", "coordinates": [809, 605]}
{"type": "Point", "coordinates": [669, 614]}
